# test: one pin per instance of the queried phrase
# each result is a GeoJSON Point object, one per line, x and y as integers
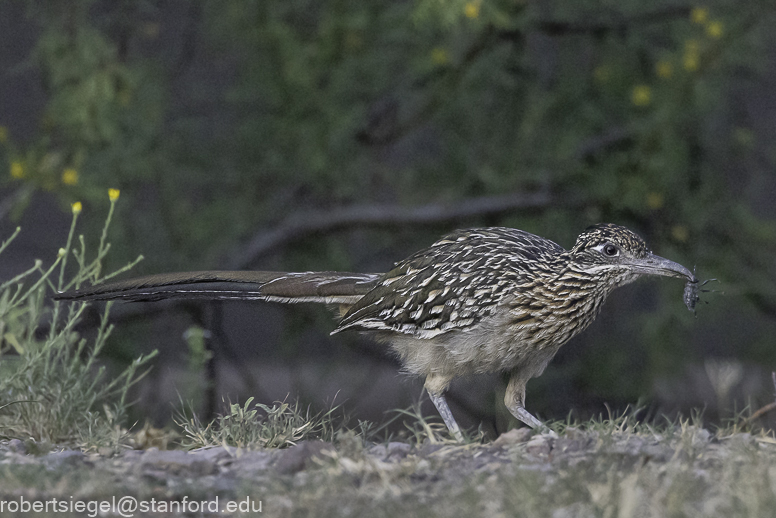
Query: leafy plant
{"type": "Point", "coordinates": [258, 425]}
{"type": "Point", "coordinates": [53, 386]}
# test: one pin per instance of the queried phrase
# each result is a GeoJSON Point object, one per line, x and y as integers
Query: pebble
{"type": "Point", "coordinates": [539, 445]}
{"type": "Point", "coordinates": [514, 436]}
{"type": "Point", "coordinates": [397, 450]}
{"type": "Point", "coordinates": [177, 462]}
{"type": "Point", "coordinates": [299, 457]}
{"type": "Point", "coordinates": [17, 446]}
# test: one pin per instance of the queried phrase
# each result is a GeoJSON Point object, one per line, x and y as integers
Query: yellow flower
{"type": "Point", "coordinates": [3, 134]}
{"type": "Point", "coordinates": [692, 55]}
{"type": "Point", "coordinates": [439, 56]}
{"type": "Point", "coordinates": [17, 170]}
{"type": "Point", "coordinates": [472, 9]}
{"type": "Point", "coordinates": [714, 29]}
{"type": "Point", "coordinates": [641, 95]}
{"type": "Point", "coordinates": [69, 176]}
{"type": "Point", "coordinates": [680, 233]}
{"type": "Point", "coordinates": [655, 200]}
{"type": "Point", "coordinates": [77, 207]}
{"type": "Point", "coordinates": [691, 62]}
{"type": "Point", "coordinates": [699, 15]}
{"type": "Point", "coordinates": [113, 194]}
{"type": "Point", "coordinates": [664, 69]}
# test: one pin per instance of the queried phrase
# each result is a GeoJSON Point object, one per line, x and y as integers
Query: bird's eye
{"type": "Point", "coordinates": [610, 250]}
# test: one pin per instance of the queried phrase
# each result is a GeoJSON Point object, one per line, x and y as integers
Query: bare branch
{"type": "Point", "coordinates": [615, 136]}
{"type": "Point", "coordinates": [759, 413]}
{"type": "Point", "coordinates": [762, 410]}
{"type": "Point", "coordinates": [617, 22]}
{"type": "Point", "coordinates": [299, 226]}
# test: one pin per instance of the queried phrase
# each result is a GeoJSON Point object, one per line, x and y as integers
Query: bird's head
{"type": "Point", "coordinates": [620, 256]}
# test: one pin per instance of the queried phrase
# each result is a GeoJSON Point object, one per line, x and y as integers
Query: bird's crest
{"type": "Point", "coordinates": [602, 233]}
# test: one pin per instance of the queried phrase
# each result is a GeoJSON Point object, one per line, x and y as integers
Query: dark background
{"type": "Point", "coordinates": [345, 135]}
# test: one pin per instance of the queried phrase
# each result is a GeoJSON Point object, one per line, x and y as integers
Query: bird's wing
{"type": "Point", "coordinates": [453, 284]}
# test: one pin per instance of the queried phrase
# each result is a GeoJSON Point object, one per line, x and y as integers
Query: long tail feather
{"type": "Point", "coordinates": [324, 287]}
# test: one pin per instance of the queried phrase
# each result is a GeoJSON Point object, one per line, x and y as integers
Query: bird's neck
{"type": "Point", "coordinates": [566, 300]}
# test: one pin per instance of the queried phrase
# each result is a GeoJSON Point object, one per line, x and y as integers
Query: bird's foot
{"type": "Point", "coordinates": [526, 417]}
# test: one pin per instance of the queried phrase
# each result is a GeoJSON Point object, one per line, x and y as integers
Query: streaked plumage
{"type": "Point", "coordinates": [476, 301]}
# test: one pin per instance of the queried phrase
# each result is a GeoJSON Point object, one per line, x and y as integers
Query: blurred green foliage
{"type": "Point", "coordinates": [244, 112]}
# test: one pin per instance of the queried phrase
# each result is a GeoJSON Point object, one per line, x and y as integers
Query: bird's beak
{"type": "Point", "coordinates": [656, 265]}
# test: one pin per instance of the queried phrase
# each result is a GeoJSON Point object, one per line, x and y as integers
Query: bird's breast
{"type": "Point", "coordinates": [550, 316]}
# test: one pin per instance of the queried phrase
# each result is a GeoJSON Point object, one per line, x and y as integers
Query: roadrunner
{"type": "Point", "coordinates": [476, 301]}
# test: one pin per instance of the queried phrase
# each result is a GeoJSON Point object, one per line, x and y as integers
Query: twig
{"type": "Point", "coordinates": [618, 23]}
{"type": "Point", "coordinates": [767, 408]}
{"type": "Point", "coordinates": [598, 143]}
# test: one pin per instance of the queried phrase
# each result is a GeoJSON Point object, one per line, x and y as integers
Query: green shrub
{"type": "Point", "coordinates": [53, 387]}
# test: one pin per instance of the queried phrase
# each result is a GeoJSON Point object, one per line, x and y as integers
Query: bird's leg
{"type": "Point", "coordinates": [447, 415]}
{"type": "Point", "coordinates": [436, 386]}
{"type": "Point", "coordinates": [514, 399]}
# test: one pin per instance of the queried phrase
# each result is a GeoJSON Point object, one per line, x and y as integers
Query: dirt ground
{"type": "Point", "coordinates": [685, 471]}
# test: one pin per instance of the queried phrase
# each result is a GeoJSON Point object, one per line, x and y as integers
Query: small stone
{"type": "Point", "coordinates": [702, 435]}
{"type": "Point", "coordinates": [66, 456]}
{"type": "Point", "coordinates": [17, 446]}
{"type": "Point", "coordinates": [299, 457]}
{"type": "Point", "coordinates": [574, 440]}
{"type": "Point", "coordinates": [572, 432]}
{"type": "Point", "coordinates": [430, 447]}
{"type": "Point", "coordinates": [539, 445]}
{"type": "Point", "coordinates": [514, 436]}
{"type": "Point", "coordinates": [212, 454]}
{"type": "Point", "coordinates": [252, 461]}
{"type": "Point", "coordinates": [569, 445]}
{"type": "Point", "coordinates": [105, 451]}
{"type": "Point", "coordinates": [178, 462]}
{"type": "Point", "coordinates": [397, 450]}
{"type": "Point", "coordinates": [378, 450]}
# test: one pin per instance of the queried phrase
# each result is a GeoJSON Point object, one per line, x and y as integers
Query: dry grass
{"type": "Point", "coordinates": [618, 468]}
